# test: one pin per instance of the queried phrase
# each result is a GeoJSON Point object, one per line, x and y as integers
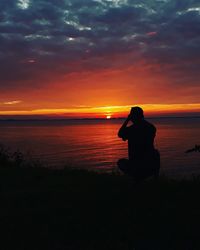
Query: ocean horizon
{"type": "Point", "coordinates": [61, 118]}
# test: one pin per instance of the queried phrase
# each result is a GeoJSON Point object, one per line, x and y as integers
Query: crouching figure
{"type": "Point", "coordinates": [143, 159]}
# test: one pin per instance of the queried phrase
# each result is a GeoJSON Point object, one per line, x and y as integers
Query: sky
{"type": "Point", "coordinates": [97, 58]}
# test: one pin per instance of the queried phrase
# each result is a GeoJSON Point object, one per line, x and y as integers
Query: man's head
{"type": "Point", "coordinates": [136, 114]}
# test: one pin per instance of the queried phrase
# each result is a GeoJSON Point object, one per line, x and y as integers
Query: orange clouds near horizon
{"type": "Point", "coordinates": [107, 111]}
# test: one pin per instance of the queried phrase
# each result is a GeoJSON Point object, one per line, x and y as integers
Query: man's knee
{"type": "Point", "coordinates": [123, 164]}
{"type": "Point", "coordinates": [122, 161]}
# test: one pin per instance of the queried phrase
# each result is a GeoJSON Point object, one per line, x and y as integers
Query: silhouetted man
{"type": "Point", "coordinates": [144, 159]}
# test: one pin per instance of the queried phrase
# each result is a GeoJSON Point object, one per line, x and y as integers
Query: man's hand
{"type": "Point", "coordinates": [128, 118]}
{"type": "Point", "coordinates": [121, 132]}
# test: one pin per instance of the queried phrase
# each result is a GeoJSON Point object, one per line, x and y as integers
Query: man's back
{"type": "Point", "coordinates": [140, 139]}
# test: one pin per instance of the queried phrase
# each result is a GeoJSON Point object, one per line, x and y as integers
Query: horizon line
{"type": "Point", "coordinates": [91, 118]}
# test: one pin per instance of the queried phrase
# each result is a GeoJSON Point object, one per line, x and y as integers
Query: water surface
{"type": "Point", "coordinates": [94, 144]}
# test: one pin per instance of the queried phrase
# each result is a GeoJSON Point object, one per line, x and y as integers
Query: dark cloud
{"type": "Point", "coordinates": [41, 39]}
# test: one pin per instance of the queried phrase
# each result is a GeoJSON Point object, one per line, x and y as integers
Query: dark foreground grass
{"type": "Point", "coordinates": [69, 209]}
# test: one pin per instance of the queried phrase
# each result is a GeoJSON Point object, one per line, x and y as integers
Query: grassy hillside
{"type": "Point", "coordinates": [46, 209]}
{"type": "Point", "coordinates": [74, 209]}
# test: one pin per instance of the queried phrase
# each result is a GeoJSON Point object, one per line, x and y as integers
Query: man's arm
{"type": "Point", "coordinates": [122, 131]}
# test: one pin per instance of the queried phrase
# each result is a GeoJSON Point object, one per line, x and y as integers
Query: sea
{"type": "Point", "coordinates": [94, 144]}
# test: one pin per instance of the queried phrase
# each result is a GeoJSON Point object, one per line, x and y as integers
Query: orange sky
{"type": "Point", "coordinates": [100, 93]}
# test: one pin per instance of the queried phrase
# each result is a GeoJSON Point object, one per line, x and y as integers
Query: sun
{"type": "Point", "coordinates": [108, 117]}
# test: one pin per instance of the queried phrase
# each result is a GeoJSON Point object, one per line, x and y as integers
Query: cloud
{"type": "Point", "coordinates": [43, 40]}
{"type": "Point", "coordinates": [12, 102]}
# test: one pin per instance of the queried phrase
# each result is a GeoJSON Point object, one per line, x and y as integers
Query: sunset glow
{"type": "Point", "coordinates": [64, 64]}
